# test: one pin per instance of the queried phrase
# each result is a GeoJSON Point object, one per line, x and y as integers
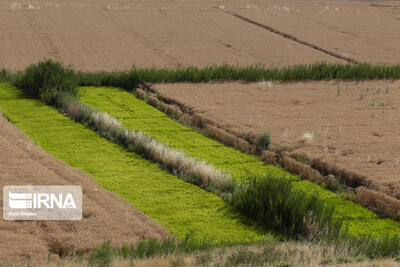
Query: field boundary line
{"type": "Point", "coordinates": [290, 37]}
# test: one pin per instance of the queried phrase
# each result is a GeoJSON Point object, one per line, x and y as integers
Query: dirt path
{"type": "Point", "coordinates": [105, 215]}
{"type": "Point", "coordinates": [351, 125]}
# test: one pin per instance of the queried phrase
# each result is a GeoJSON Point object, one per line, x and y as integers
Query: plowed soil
{"type": "Point", "coordinates": [351, 125]}
{"type": "Point", "coordinates": [366, 31]}
{"type": "Point", "coordinates": [105, 215]}
{"type": "Point", "coordinates": [114, 35]}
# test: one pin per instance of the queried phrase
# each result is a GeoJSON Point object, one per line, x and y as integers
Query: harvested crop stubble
{"type": "Point", "coordinates": [175, 204]}
{"type": "Point", "coordinates": [136, 114]}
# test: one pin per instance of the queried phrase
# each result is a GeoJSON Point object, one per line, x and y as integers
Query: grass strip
{"type": "Point", "coordinates": [135, 113]}
{"type": "Point", "coordinates": [179, 206]}
{"type": "Point", "coordinates": [319, 71]}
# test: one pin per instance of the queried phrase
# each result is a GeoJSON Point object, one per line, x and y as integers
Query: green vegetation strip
{"type": "Point", "coordinates": [318, 71]}
{"type": "Point", "coordinates": [179, 206]}
{"type": "Point", "coordinates": [135, 113]}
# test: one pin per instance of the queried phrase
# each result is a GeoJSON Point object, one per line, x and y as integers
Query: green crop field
{"type": "Point", "coordinates": [137, 114]}
{"type": "Point", "coordinates": [179, 206]}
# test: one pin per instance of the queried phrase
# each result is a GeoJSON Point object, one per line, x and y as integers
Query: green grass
{"type": "Point", "coordinates": [179, 206]}
{"type": "Point", "coordinates": [135, 113]}
{"type": "Point", "coordinates": [318, 71]}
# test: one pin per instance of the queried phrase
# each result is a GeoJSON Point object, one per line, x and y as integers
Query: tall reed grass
{"type": "Point", "coordinates": [254, 73]}
{"type": "Point", "coordinates": [273, 202]}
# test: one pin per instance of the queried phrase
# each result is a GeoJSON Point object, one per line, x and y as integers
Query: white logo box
{"type": "Point", "coordinates": [42, 202]}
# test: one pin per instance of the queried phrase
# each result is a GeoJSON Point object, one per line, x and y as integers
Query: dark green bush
{"type": "Point", "coordinates": [262, 141]}
{"type": "Point", "coordinates": [48, 81]}
{"type": "Point", "coordinates": [125, 80]}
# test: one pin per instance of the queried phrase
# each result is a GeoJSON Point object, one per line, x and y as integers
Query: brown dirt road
{"type": "Point", "coordinates": [105, 215]}
{"type": "Point", "coordinates": [352, 125]}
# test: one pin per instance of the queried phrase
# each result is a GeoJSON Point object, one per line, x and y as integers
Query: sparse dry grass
{"type": "Point", "coordinates": [268, 253]}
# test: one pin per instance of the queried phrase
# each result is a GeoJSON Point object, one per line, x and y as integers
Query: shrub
{"type": "Point", "coordinates": [48, 81]}
{"type": "Point", "coordinates": [262, 141]}
{"type": "Point", "coordinates": [125, 80]}
{"type": "Point", "coordinates": [274, 203]}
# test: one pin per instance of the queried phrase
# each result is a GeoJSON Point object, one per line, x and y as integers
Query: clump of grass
{"type": "Point", "coordinates": [366, 245]}
{"type": "Point", "coordinates": [303, 158]}
{"type": "Point", "coordinates": [335, 184]}
{"type": "Point", "coordinates": [373, 102]}
{"type": "Point", "coordinates": [262, 141]}
{"type": "Point", "coordinates": [275, 203]}
{"type": "Point", "coordinates": [103, 255]}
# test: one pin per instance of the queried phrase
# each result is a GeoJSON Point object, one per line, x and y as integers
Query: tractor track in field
{"type": "Point", "coordinates": [290, 37]}
{"type": "Point", "coordinates": [43, 37]}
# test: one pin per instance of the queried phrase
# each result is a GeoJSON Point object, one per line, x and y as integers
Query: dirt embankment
{"type": "Point", "coordinates": [106, 216]}
{"type": "Point", "coordinates": [346, 129]}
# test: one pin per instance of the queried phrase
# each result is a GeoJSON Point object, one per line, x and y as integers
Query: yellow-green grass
{"type": "Point", "coordinates": [179, 206]}
{"type": "Point", "coordinates": [137, 114]}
